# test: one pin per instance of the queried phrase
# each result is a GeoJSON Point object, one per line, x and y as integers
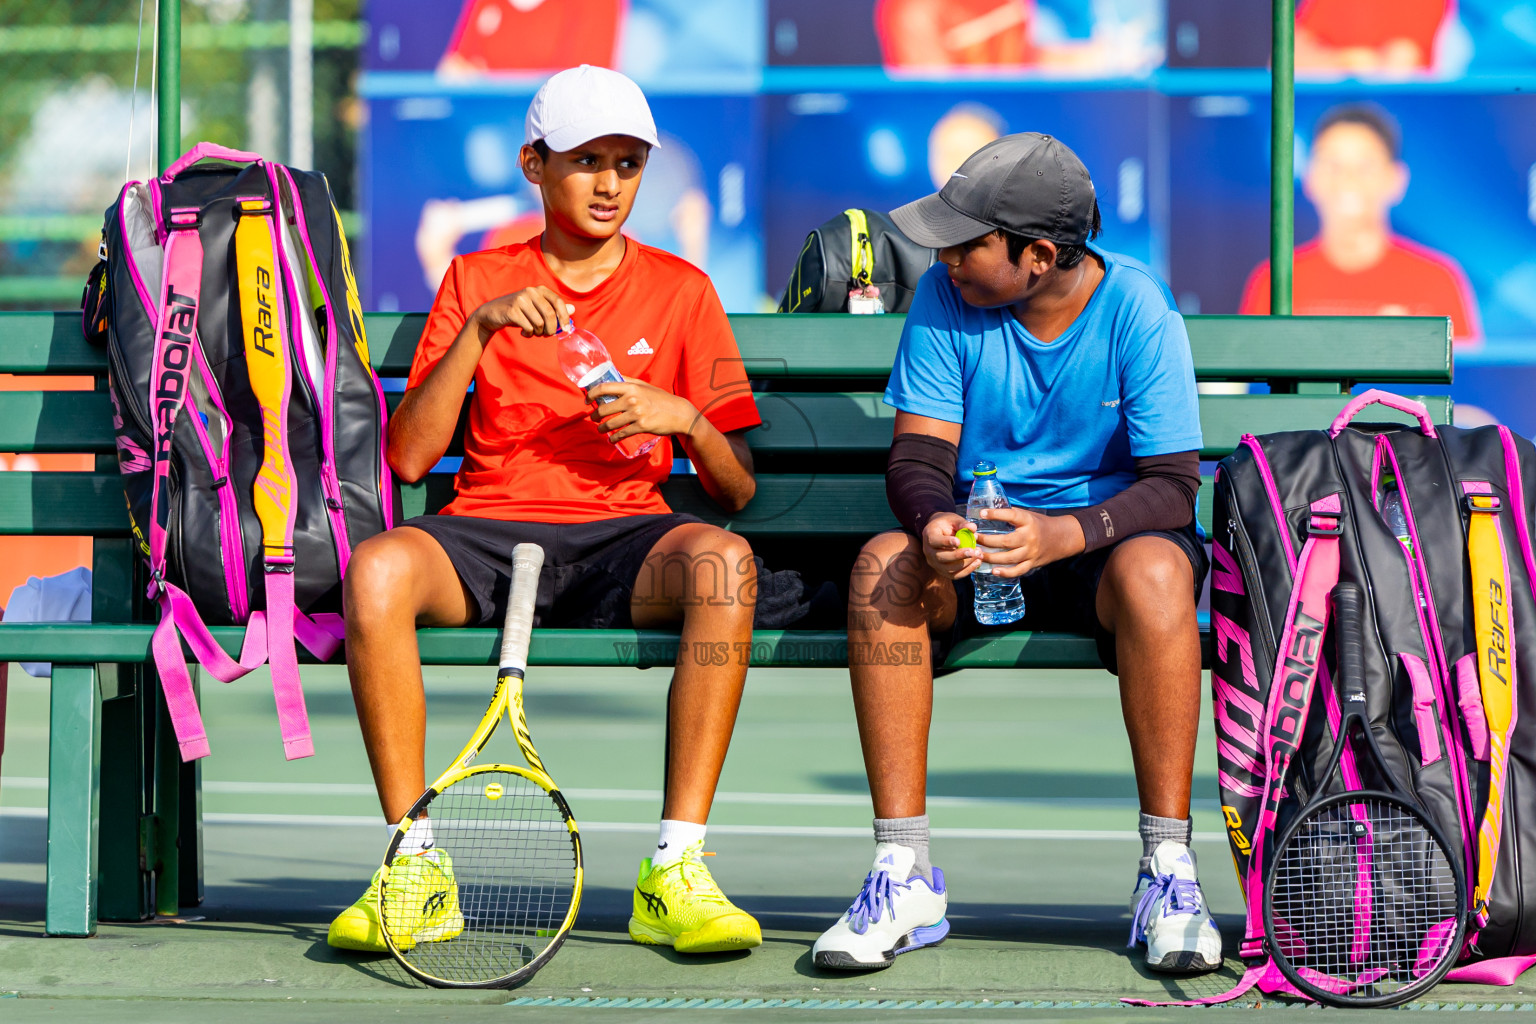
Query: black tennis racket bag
{"type": "Point", "coordinates": [250, 425]}
{"type": "Point", "coordinates": [1433, 522]}
{"type": "Point", "coordinates": [844, 259]}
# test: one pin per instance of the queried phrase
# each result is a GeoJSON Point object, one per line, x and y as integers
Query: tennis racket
{"type": "Point", "coordinates": [1365, 904]}
{"type": "Point", "coordinates": [492, 900]}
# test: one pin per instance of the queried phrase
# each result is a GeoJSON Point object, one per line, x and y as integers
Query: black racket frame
{"type": "Point", "coordinates": [1348, 608]}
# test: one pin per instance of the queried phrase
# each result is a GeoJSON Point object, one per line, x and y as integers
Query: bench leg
{"type": "Point", "coordinates": [164, 853]}
{"type": "Point", "coordinates": [189, 848]}
{"type": "Point", "coordinates": [125, 881]}
{"type": "Point", "coordinates": [74, 774]}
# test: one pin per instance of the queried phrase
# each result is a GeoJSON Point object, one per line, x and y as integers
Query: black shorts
{"type": "Point", "coordinates": [1061, 596]}
{"type": "Point", "coordinates": [589, 570]}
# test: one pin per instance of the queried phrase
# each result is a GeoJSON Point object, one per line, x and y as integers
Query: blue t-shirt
{"type": "Point", "coordinates": [1063, 421]}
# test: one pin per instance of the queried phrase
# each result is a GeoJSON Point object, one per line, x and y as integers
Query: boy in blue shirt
{"type": "Point", "coordinates": [1069, 368]}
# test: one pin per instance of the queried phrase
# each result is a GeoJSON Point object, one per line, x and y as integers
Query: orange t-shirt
{"type": "Point", "coordinates": [494, 35]}
{"type": "Point", "coordinates": [1374, 23]}
{"type": "Point", "coordinates": [1409, 280]}
{"type": "Point", "coordinates": [954, 33]}
{"type": "Point", "coordinates": [530, 452]}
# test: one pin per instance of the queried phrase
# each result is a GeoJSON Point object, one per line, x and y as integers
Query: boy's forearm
{"type": "Point", "coordinates": [422, 426]}
{"type": "Point", "coordinates": [724, 464]}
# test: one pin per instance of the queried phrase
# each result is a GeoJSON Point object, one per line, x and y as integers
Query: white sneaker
{"type": "Point", "coordinates": [887, 917]}
{"type": "Point", "coordinates": [1168, 913]}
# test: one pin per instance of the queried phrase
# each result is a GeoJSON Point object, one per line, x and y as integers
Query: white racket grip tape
{"type": "Point", "coordinates": [527, 560]}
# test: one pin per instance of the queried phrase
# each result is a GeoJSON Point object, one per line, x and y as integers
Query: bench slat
{"type": "Point", "coordinates": [88, 643]}
{"type": "Point", "coordinates": [775, 346]}
{"type": "Point", "coordinates": [1401, 349]}
{"type": "Point", "coordinates": [861, 423]}
{"type": "Point", "coordinates": [56, 421]}
{"type": "Point", "coordinates": [47, 343]}
{"type": "Point", "coordinates": [794, 422]}
{"type": "Point", "coordinates": [62, 504]}
{"type": "Point", "coordinates": [73, 504]}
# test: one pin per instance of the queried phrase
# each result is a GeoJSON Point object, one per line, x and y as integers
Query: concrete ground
{"type": "Point", "coordinates": [1033, 807]}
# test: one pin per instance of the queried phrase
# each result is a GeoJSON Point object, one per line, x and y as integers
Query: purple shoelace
{"type": "Point", "coordinates": [1179, 895]}
{"type": "Point", "coordinates": [871, 902]}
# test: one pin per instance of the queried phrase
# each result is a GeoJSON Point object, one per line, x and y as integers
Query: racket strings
{"type": "Point", "coordinates": [1364, 899]}
{"type": "Point", "coordinates": [495, 889]}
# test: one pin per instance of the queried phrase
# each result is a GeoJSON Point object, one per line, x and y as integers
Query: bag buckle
{"type": "Point", "coordinates": [186, 218]}
{"type": "Point", "coordinates": [1482, 502]}
{"type": "Point", "coordinates": [1325, 524]}
{"type": "Point", "coordinates": [258, 206]}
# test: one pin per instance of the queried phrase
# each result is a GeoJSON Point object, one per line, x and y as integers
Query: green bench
{"type": "Point", "coordinates": [125, 844]}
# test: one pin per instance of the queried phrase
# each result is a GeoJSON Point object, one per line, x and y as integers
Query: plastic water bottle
{"type": "Point", "coordinates": [999, 600]}
{"type": "Point", "coordinates": [585, 360]}
{"type": "Point", "coordinates": [1392, 514]}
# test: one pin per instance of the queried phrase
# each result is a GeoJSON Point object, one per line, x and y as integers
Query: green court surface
{"type": "Point", "coordinates": [1032, 802]}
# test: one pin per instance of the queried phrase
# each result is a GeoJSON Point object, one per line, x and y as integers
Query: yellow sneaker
{"type": "Point", "coordinates": [680, 905]}
{"type": "Point", "coordinates": [424, 907]}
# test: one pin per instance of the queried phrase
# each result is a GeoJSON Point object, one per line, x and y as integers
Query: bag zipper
{"type": "Point", "coordinates": [1238, 544]}
{"type": "Point", "coordinates": [1424, 605]}
{"type": "Point", "coordinates": [329, 484]}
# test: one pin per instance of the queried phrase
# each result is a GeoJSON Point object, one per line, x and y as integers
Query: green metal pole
{"type": "Point", "coordinates": [1282, 172]}
{"type": "Point", "coordinates": [163, 854]}
{"type": "Point", "coordinates": [169, 91]}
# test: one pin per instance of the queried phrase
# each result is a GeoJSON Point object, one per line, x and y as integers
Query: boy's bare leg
{"type": "Point", "coordinates": [894, 599]}
{"type": "Point", "coordinates": [395, 582]}
{"type": "Point", "coordinates": [704, 577]}
{"type": "Point", "coordinates": [1146, 599]}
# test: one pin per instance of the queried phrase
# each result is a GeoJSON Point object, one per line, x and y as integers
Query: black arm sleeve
{"type": "Point", "coordinates": [1162, 498]}
{"type": "Point", "coordinates": [920, 479]}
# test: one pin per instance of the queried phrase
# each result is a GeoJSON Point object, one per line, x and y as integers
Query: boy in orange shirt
{"type": "Point", "coordinates": [540, 465]}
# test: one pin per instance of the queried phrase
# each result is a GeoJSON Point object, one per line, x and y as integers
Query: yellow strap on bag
{"type": "Point", "coordinates": [267, 363]}
{"type": "Point", "coordinates": [863, 248]}
{"type": "Point", "coordinates": [1495, 672]}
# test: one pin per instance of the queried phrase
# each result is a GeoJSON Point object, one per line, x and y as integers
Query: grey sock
{"type": "Point", "coordinates": [909, 832]}
{"type": "Point", "coordinates": [1156, 830]}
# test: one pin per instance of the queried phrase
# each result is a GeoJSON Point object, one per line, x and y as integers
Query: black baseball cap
{"type": "Point", "coordinates": [1030, 184]}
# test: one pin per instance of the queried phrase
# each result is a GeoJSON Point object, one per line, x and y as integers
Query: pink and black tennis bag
{"type": "Point", "coordinates": [1450, 664]}
{"type": "Point", "coordinates": [250, 425]}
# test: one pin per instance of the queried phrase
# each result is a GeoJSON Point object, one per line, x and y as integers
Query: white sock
{"type": "Point", "coordinates": [674, 840]}
{"type": "Point", "coordinates": [418, 840]}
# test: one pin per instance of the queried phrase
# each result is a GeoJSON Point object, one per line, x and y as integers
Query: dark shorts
{"type": "Point", "coordinates": [589, 570]}
{"type": "Point", "coordinates": [1061, 596]}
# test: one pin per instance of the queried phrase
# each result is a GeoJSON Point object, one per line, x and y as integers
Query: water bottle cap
{"type": "Point", "coordinates": [984, 468]}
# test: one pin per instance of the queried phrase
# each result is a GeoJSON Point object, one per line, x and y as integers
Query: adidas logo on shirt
{"type": "Point", "coordinates": [640, 348]}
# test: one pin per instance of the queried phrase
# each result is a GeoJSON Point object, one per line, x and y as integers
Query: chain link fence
{"type": "Point", "coordinates": [69, 104]}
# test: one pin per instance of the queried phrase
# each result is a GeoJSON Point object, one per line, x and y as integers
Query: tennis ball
{"type": "Point", "coordinates": [494, 791]}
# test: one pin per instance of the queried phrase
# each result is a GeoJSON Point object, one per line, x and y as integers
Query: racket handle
{"type": "Point", "coordinates": [517, 630]}
{"type": "Point", "coordinates": [1349, 618]}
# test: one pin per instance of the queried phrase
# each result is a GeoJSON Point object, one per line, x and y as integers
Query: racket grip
{"type": "Point", "coordinates": [517, 630]}
{"type": "Point", "coordinates": [1349, 618]}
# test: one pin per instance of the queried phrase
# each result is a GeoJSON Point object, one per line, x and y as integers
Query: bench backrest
{"type": "Point", "coordinates": [819, 378]}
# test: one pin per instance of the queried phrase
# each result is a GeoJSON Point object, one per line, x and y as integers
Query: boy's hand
{"type": "Point", "coordinates": [1035, 540]}
{"type": "Point", "coordinates": [944, 550]}
{"type": "Point", "coordinates": [641, 408]}
{"type": "Point", "coordinates": [534, 310]}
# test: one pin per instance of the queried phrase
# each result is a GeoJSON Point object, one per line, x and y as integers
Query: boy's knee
{"type": "Point", "coordinates": [736, 550]}
{"type": "Point", "coordinates": [890, 566]}
{"type": "Point", "coordinates": [379, 576]}
{"type": "Point", "coordinates": [1150, 576]}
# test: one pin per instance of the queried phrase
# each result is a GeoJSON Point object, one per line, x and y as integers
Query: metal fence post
{"type": "Point", "coordinates": [169, 89]}
{"type": "Point", "coordinates": [1282, 142]}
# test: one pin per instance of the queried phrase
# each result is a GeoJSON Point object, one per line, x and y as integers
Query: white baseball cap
{"type": "Point", "coordinates": [581, 104]}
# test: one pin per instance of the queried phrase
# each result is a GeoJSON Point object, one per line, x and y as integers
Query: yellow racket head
{"type": "Point", "coordinates": [495, 895]}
